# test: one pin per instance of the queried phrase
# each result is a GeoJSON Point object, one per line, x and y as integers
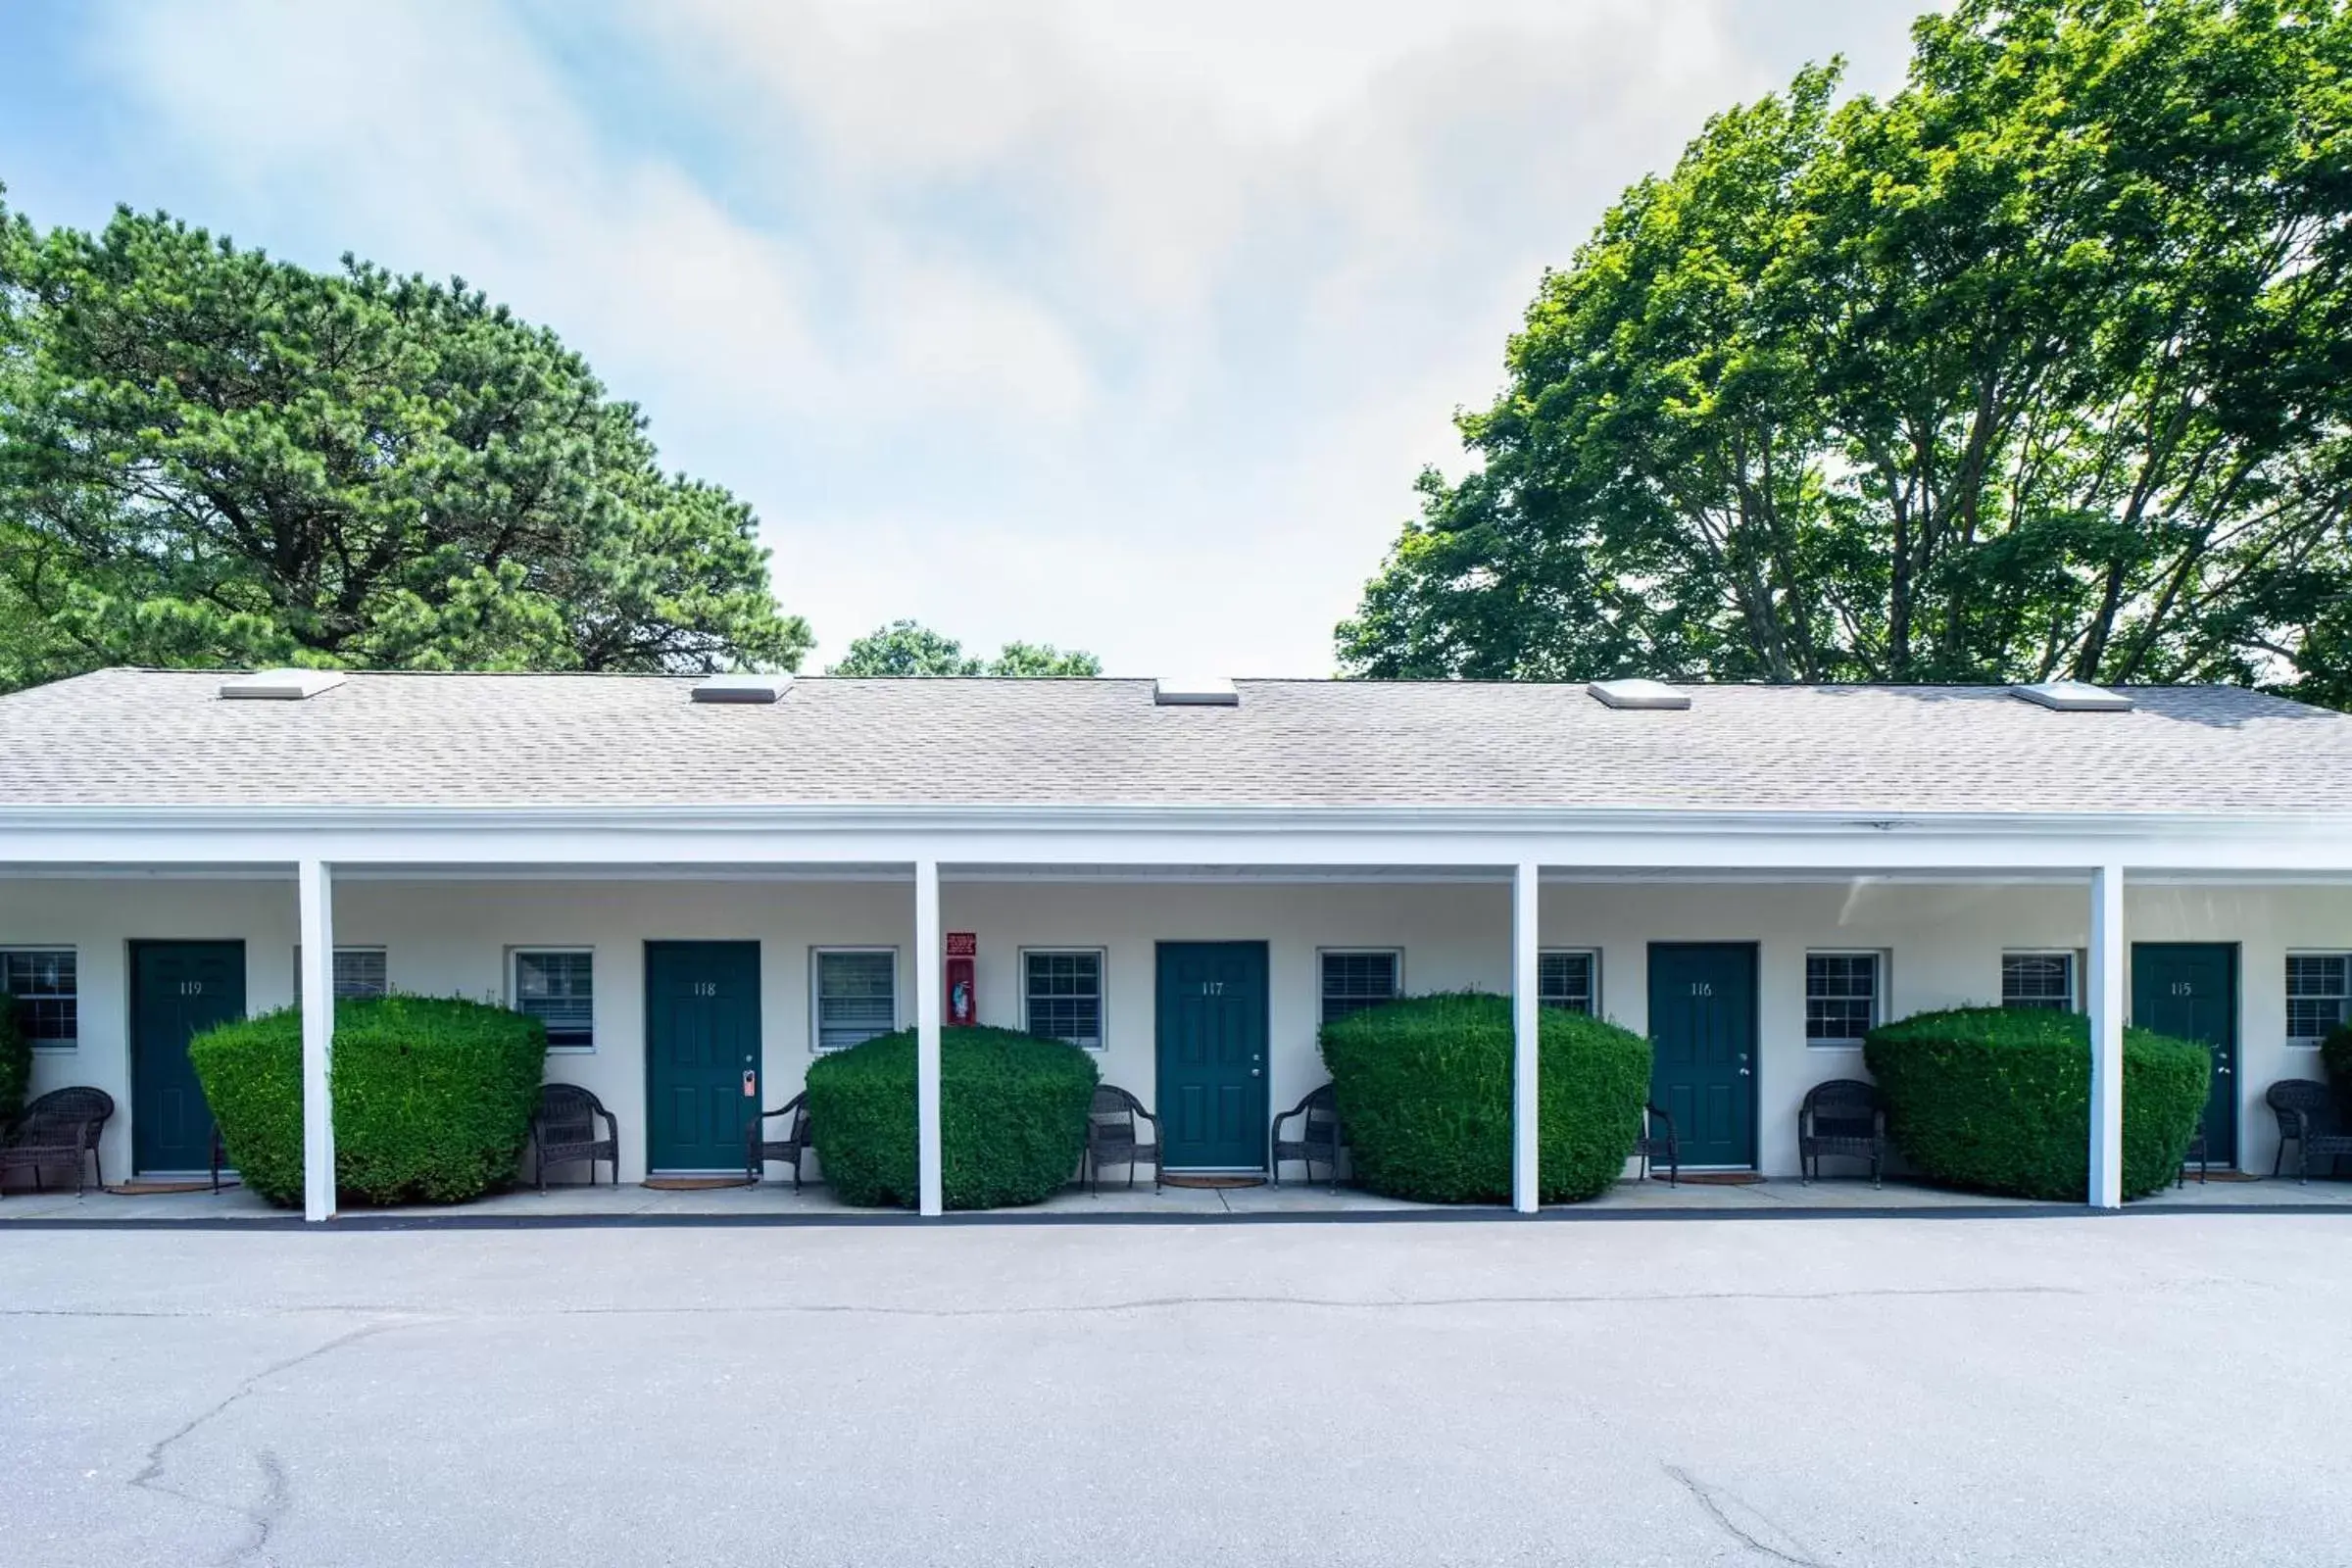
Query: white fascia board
{"type": "Point", "coordinates": [1157, 836]}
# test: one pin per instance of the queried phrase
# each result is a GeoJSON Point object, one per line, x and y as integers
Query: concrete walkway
{"type": "Point", "coordinates": [776, 1202]}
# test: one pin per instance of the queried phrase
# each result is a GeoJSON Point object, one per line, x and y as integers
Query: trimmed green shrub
{"type": "Point", "coordinates": [15, 1061]}
{"type": "Point", "coordinates": [1012, 1122]}
{"type": "Point", "coordinates": [1424, 1090]}
{"type": "Point", "coordinates": [1999, 1100]}
{"type": "Point", "coordinates": [432, 1097]}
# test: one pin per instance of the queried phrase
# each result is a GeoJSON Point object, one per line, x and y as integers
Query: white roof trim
{"type": "Point", "coordinates": [742, 688]}
{"type": "Point", "coordinates": [1195, 691]}
{"type": "Point", "coordinates": [281, 685]}
{"type": "Point", "coordinates": [2073, 697]}
{"type": "Point", "coordinates": [1639, 694]}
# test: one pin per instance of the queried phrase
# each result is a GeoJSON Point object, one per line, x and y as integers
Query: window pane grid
{"type": "Point", "coordinates": [2319, 994]}
{"type": "Point", "coordinates": [559, 989]}
{"type": "Point", "coordinates": [43, 984]}
{"type": "Point", "coordinates": [1065, 996]}
{"type": "Point", "coordinates": [2045, 980]}
{"type": "Point", "coordinates": [1841, 996]}
{"type": "Point", "coordinates": [1565, 980]}
{"type": "Point", "coordinates": [857, 998]}
{"type": "Point", "coordinates": [1355, 981]}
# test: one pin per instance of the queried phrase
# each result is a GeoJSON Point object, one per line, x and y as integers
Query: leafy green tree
{"type": "Point", "coordinates": [208, 457]}
{"type": "Point", "coordinates": [2037, 368]}
{"type": "Point", "coordinates": [907, 648]}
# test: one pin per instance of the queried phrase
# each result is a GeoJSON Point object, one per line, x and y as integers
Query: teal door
{"type": "Point", "coordinates": [1212, 1055]}
{"type": "Point", "coordinates": [2188, 990]}
{"type": "Point", "coordinates": [1702, 1027]}
{"type": "Point", "coordinates": [701, 1053]}
{"type": "Point", "coordinates": [177, 990]}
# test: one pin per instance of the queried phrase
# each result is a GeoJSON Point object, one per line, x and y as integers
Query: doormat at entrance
{"type": "Point", "coordinates": [2223, 1176]}
{"type": "Point", "coordinates": [1713, 1178]}
{"type": "Point", "coordinates": [692, 1184]}
{"type": "Point", "coordinates": [1179, 1179]}
{"type": "Point", "coordinates": [150, 1188]}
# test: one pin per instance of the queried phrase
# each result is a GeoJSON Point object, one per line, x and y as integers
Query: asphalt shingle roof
{"type": "Point", "coordinates": [124, 737]}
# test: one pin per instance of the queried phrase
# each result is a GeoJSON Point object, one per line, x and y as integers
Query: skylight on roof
{"type": "Point", "coordinates": [2073, 696]}
{"type": "Point", "coordinates": [281, 685]}
{"type": "Point", "coordinates": [1196, 691]}
{"type": "Point", "coordinates": [741, 688]}
{"type": "Point", "coordinates": [1636, 693]}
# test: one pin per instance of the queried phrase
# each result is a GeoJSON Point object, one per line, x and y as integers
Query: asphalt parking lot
{"type": "Point", "coordinates": [2137, 1389]}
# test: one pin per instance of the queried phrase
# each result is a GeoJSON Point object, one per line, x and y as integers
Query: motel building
{"type": "Point", "coordinates": [692, 880]}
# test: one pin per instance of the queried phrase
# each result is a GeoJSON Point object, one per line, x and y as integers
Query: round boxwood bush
{"type": "Point", "coordinates": [1424, 1090]}
{"type": "Point", "coordinates": [1999, 1100]}
{"type": "Point", "coordinates": [1011, 1124]}
{"type": "Point", "coordinates": [15, 1061]}
{"type": "Point", "coordinates": [432, 1097]}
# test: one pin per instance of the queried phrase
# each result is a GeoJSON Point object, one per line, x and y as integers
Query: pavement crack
{"type": "Point", "coordinates": [1708, 1498]}
{"type": "Point", "coordinates": [262, 1518]}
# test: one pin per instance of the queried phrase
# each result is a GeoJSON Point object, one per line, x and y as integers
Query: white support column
{"type": "Point", "coordinates": [317, 893]}
{"type": "Point", "coordinates": [929, 971]}
{"type": "Point", "coordinates": [1524, 1025]}
{"type": "Point", "coordinates": [2106, 994]}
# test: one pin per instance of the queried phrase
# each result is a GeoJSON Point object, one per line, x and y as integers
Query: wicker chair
{"type": "Point", "coordinates": [1844, 1116]}
{"type": "Point", "coordinates": [759, 1151]}
{"type": "Point", "coordinates": [563, 1131]}
{"type": "Point", "coordinates": [58, 1129]}
{"type": "Point", "coordinates": [2307, 1113]}
{"type": "Point", "coordinates": [1114, 1135]}
{"type": "Point", "coordinates": [2194, 1155]}
{"type": "Point", "coordinates": [1658, 1142]}
{"type": "Point", "coordinates": [1318, 1118]}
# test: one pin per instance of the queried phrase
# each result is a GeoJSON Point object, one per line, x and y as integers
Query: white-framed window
{"type": "Point", "coordinates": [44, 986]}
{"type": "Point", "coordinates": [1358, 978]}
{"type": "Point", "coordinates": [360, 973]}
{"type": "Point", "coordinates": [1845, 997]}
{"type": "Point", "coordinates": [2318, 996]}
{"type": "Point", "coordinates": [853, 995]}
{"type": "Point", "coordinates": [1569, 977]}
{"type": "Point", "coordinates": [1061, 994]}
{"type": "Point", "coordinates": [2043, 979]}
{"type": "Point", "coordinates": [558, 987]}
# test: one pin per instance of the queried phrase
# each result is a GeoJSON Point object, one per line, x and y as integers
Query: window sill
{"type": "Point", "coordinates": [1834, 1045]}
{"type": "Point", "coordinates": [572, 1051]}
{"type": "Point", "coordinates": [55, 1049]}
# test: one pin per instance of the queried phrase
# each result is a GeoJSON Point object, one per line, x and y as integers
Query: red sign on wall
{"type": "Point", "coordinates": [963, 998]}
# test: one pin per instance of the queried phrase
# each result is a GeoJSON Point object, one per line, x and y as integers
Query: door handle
{"type": "Point", "coordinates": [1743, 1073]}
{"type": "Point", "coordinates": [1254, 1072]}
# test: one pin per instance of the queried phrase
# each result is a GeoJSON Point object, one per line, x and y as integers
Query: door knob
{"type": "Point", "coordinates": [1743, 1073]}
{"type": "Point", "coordinates": [1254, 1072]}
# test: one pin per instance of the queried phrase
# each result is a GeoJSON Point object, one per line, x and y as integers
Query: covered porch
{"type": "Point", "coordinates": [1598, 915]}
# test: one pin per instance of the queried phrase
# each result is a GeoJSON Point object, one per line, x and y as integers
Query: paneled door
{"type": "Point", "coordinates": [1702, 1027]}
{"type": "Point", "coordinates": [701, 1053]}
{"type": "Point", "coordinates": [1212, 1055]}
{"type": "Point", "coordinates": [177, 990]}
{"type": "Point", "coordinates": [2188, 990]}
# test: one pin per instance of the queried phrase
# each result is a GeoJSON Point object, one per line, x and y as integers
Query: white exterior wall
{"type": "Point", "coordinates": [1943, 943]}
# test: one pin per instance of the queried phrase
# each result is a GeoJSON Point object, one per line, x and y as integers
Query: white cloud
{"type": "Point", "coordinates": [1117, 325]}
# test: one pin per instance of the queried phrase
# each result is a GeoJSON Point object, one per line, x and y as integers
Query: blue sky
{"type": "Point", "coordinates": [1123, 326]}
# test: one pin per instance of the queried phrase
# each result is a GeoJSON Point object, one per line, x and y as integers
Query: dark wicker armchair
{"type": "Point", "coordinates": [1317, 1139]}
{"type": "Point", "coordinates": [2307, 1115]}
{"type": "Point", "coordinates": [1658, 1142]}
{"type": "Point", "coordinates": [759, 1148]}
{"type": "Point", "coordinates": [1114, 1135]}
{"type": "Point", "coordinates": [564, 1132]}
{"type": "Point", "coordinates": [1844, 1116]}
{"type": "Point", "coordinates": [58, 1129]}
